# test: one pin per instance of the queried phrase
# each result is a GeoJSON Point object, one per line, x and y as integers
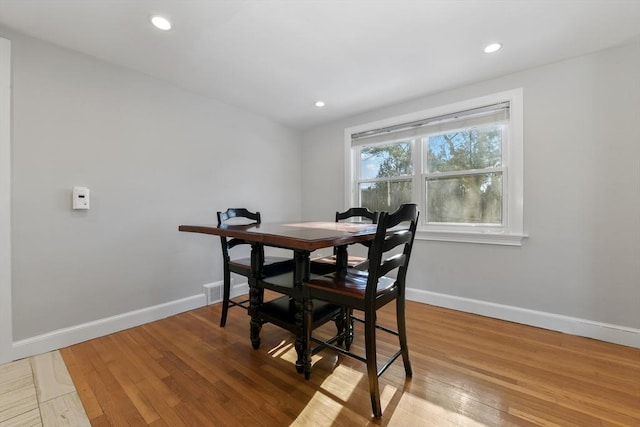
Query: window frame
{"type": "Point", "coordinates": [511, 232]}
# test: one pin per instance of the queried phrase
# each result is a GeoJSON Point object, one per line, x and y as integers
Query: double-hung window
{"type": "Point", "coordinates": [461, 163]}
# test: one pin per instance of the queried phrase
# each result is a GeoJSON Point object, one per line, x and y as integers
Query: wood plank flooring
{"type": "Point", "coordinates": [468, 371]}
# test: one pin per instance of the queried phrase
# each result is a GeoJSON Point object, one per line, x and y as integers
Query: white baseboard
{"type": "Point", "coordinates": [65, 337]}
{"type": "Point", "coordinates": [570, 325]}
{"type": "Point", "coordinates": [581, 327]}
{"type": "Point", "coordinates": [68, 336]}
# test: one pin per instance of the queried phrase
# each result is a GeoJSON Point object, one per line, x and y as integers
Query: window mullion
{"type": "Point", "coordinates": [386, 179]}
{"type": "Point", "coordinates": [449, 174]}
{"type": "Point", "coordinates": [417, 185]}
{"type": "Point", "coordinates": [355, 177]}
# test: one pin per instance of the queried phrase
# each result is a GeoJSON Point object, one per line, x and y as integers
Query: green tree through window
{"type": "Point", "coordinates": [463, 175]}
{"type": "Point", "coordinates": [389, 169]}
{"type": "Point", "coordinates": [464, 179]}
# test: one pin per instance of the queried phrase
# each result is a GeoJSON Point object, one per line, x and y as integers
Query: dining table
{"type": "Point", "coordinates": [302, 238]}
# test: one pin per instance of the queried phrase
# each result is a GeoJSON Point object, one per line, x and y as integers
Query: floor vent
{"type": "Point", "coordinates": [214, 293]}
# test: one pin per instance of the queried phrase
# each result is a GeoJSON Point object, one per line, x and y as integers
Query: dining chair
{"type": "Point", "coordinates": [242, 266]}
{"type": "Point", "coordinates": [367, 291]}
{"type": "Point", "coordinates": [327, 264]}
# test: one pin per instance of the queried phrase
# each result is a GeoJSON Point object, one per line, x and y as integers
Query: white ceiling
{"type": "Point", "coordinates": [278, 57]}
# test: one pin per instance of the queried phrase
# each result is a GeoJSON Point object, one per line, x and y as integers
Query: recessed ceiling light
{"type": "Point", "coordinates": [319, 104]}
{"type": "Point", "coordinates": [493, 47]}
{"type": "Point", "coordinates": [161, 23]}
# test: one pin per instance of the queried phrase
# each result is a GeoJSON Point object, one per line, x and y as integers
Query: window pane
{"type": "Point", "coordinates": [382, 161]}
{"type": "Point", "coordinates": [385, 196]}
{"type": "Point", "coordinates": [472, 199]}
{"type": "Point", "coordinates": [477, 148]}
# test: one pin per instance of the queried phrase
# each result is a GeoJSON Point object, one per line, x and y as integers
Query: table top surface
{"type": "Point", "coordinates": [307, 236]}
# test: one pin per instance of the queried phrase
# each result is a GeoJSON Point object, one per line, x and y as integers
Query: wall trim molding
{"type": "Point", "coordinates": [75, 334]}
{"type": "Point", "coordinates": [570, 325]}
{"type": "Point", "coordinates": [65, 337]}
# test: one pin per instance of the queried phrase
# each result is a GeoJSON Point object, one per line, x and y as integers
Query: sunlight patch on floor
{"type": "Point", "coordinates": [342, 382]}
{"type": "Point", "coordinates": [280, 349]}
{"type": "Point", "coordinates": [386, 394]}
{"type": "Point", "coordinates": [321, 410]}
{"type": "Point", "coordinates": [413, 407]}
{"type": "Point", "coordinates": [287, 351]}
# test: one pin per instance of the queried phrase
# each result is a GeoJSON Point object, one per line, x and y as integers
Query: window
{"type": "Point", "coordinates": [461, 163]}
{"type": "Point", "coordinates": [386, 175]}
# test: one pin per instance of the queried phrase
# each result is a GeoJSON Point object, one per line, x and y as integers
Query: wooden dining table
{"type": "Point", "coordinates": [302, 238]}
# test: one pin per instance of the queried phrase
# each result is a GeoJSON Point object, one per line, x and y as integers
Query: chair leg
{"type": "Point", "coordinates": [225, 297]}
{"type": "Point", "coordinates": [256, 298]}
{"type": "Point", "coordinates": [372, 363]}
{"type": "Point", "coordinates": [349, 326]}
{"type": "Point", "coordinates": [307, 325]}
{"type": "Point", "coordinates": [340, 325]}
{"type": "Point", "coordinates": [402, 335]}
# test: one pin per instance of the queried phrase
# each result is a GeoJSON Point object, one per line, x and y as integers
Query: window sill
{"type": "Point", "coordinates": [487, 238]}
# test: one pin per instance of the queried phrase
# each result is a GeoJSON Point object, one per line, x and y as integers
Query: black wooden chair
{"type": "Point", "coordinates": [367, 291]}
{"type": "Point", "coordinates": [242, 266]}
{"type": "Point", "coordinates": [327, 264]}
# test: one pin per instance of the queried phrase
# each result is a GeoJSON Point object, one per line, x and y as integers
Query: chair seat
{"type": "Point", "coordinates": [353, 284]}
{"type": "Point", "coordinates": [272, 265]}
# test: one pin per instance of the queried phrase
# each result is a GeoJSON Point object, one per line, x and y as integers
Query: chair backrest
{"type": "Point", "coordinates": [238, 213]}
{"type": "Point", "coordinates": [223, 217]}
{"type": "Point", "coordinates": [385, 255]}
{"type": "Point", "coordinates": [358, 212]}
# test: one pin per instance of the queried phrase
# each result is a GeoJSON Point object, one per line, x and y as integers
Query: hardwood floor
{"type": "Point", "coordinates": [468, 371]}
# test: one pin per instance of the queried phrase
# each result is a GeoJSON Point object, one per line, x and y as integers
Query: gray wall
{"type": "Point", "coordinates": [582, 194]}
{"type": "Point", "coordinates": [153, 156]}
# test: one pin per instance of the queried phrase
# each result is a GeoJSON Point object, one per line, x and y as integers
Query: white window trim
{"type": "Point", "coordinates": [512, 234]}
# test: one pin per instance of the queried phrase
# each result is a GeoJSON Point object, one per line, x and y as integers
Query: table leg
{"type": "Point", "coordinates": [342, 322]}
{"type": "Point", "coordinates": [308, 325]}
{"type": "Point", "coordinates": [303, 363]}
{"type": "Point", "coordinates": [342, 258]}
{"type": "Point", "coordinates": [256, 295]}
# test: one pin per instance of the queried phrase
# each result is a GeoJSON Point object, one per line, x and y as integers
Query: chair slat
{"type": "Point", "coordinates": [391, 264]}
